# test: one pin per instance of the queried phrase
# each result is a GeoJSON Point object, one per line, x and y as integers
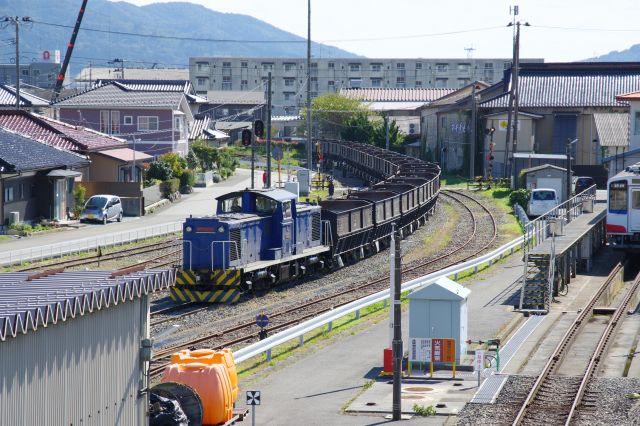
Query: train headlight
{"type": "Point", "coordinates": [188, 229]}
{"type": "Point", "coordinates": [221, 229]}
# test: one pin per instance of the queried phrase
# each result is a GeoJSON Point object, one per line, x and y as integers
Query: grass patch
{"type": "Point", "coordinates": [5, 238]}
{"type": "Point", "coordinates": [437, 240]}
{"type": "Point", "coordinates": [453, 181]}
{"type": "Point", "coordinates": [366, 386]}
{"type": "Point", "coordinates": [424, 411]}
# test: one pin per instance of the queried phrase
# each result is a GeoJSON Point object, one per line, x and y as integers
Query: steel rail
{"type": "Point", "coordinates": [602, 347]}
{"type": "Point", "coordinates": [562, 346]}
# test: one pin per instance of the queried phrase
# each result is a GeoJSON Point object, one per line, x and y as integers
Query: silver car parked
{"type": "Point", "coordinates": [102, 208]}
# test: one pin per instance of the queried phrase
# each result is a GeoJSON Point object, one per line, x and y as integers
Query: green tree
{"type": "Point", "coordinates": [207, 156]}
{"type": "Point", "coordinates": [192, 160]}
{"type": "Point", "coordinates": [175, 162]}
{"type": "Point", "coordinates": [79, 198]}
{"type": "Point", "coordinates": [396, 137]}
{"type": "Point", "coordinates": [159, 170]}
{"type": "Point", "coordinates": [330, 112]}
{"type": "Point", "coordinates": [357, 128]}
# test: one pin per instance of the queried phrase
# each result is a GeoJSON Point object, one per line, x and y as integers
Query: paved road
{"type": "Point", "coordinates": [201, 202]}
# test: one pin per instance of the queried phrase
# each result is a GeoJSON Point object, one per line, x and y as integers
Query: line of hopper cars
{"type": "Point", "coordinates": [262, 237]}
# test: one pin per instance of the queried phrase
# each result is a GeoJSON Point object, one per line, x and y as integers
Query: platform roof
{"type": "Point", "coordinates": [29, 301]}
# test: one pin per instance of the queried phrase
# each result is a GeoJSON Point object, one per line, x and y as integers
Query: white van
{"type": "Point", "coordinates": [541, 201]}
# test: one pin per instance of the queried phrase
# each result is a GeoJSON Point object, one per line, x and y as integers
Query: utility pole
{"type": "Point", "coordinates": [474, 119]}
{"type": "Point", "coordinates": [15, 20]}
{"type": "Point", "coordinates": [269, 132]}
{"type": "Point", "coordinates": [309, 148]}
{"type": "Point", "coordinates": [396, 344]}
{"type": "Point", "coordinates": [386, 130]}
{"type": "Point", "coordinates": [507, 142]}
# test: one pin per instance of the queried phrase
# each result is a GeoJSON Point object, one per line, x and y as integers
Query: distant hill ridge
{"type": "Point", "coordinates": [168, 19]}
{"type": "Point", "coordinates": [631, 54]}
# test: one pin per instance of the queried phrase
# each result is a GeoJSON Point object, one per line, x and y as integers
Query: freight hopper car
{"type": "Point", "coordinates": [259, 238]}
{"type": "Point", "coordinates": [623, 209]}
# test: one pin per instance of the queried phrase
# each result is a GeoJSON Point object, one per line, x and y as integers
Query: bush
{"type": "Point", "coordinates": [169, 187]}
{"type": "Point", "coordinates": [188, 178]}
{"type": "Point", "coordinates": [151, 182]}
{"type": "Point", "coordinates": [520, 196]}
{"type": "Point", "coordinates": [421, 410]}
{"type": "Point", "coordinates": [159, 170]}
{"type": "Point", "coordinates": [216, 178]}
{"type": "Point", "coordinates": [79, 198]}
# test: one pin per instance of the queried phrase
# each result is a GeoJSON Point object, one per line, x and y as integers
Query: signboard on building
{"type": "Point", "coordinates": [503, 124]}
{"type": "Point", "coordinates": [478, 365]}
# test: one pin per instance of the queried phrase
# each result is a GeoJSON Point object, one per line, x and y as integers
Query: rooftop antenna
{"type": "Point", "coordinates": [469, 51]}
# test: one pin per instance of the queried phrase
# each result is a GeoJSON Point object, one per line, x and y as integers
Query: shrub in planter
{"type": "Point", "coordinates": [187, 178]}
{"type": "Point", "coordinates": [169, 187]}
{"type": "Point", "coordinates": [216, 178]}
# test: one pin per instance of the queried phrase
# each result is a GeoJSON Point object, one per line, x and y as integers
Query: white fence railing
{"type": "Point", "coordinates": [52, 251]}
{"type": "Point", "coordinates": [299, 330]}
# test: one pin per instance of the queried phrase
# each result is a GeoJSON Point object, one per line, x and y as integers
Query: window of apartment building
{"type": "Point", "coordinates": [331, 65]}
{"type": "Point", "coordinates": [226, 82]}
{"type": "Point", "coordinates": [226, 65]}
{"type": "Point", "coordinates": [636, 127]}
{"type": "Point", "coordinates": [355, 82]}
{"type": "Point", "coordinates": [8, 194]}
{"type": "Point", "coordinates": [463, 82]}
{"type": "Point", "coordinates": [267, 66]}
{"type": "Point", "coordinates": [488, 65]}
{"type": "Point", "coordinates": [506, 65]}
{"type": "Point", "coordinates": [442, 67]}
{"type": "Point", "coordinates": [128, 120]}
{"type": "Point", "coordinates": [400, 66]}
{"type": "Point", "coordinates": [147, 123]}
{"type": "Point", "coordinates": [354, 67]}
{"type": "Point", "coordinates": [202, 81]}
{"type": "Point", "coordinates": [376, 82]}
{"type": "Point", "coordinates": [418, 65]}
{"type": "Point", "coordinates": [289, 66]}
{"type": "Point", "coordinates": [289, 96]}
{"type": "Point", "coordinates": [289, 82]}
{"type": "Point", "coordinates": [441, 82]}
{"type": "Point", "coordinates": [244, 85]}
{"type": "Point", "coordinates": [25, 73]}
{"type": "Point", "coordinates": [314, 94]}
{"type": "Point", "coordinates": [418, 83]}
{"type": "Point", "coordinates": [376, 67]}
{"type": "Point", "coordinates": [464, 68]}
{"type": "Point", "coordinates": [202, 66]}
{"type": "Point", "coordinates": [244, 64]}
{"type": "Point", "coordinates": [400, 82]}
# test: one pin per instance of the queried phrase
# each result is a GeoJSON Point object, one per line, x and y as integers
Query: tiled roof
{"type": "Point", "coordinates": [56, 133]}
{"type": "Point", "coordinates": [626, 97]}
{"type": "Point", "coordinates": [613, 128]}
{"type": "Point", "coordinates": [28, 304]}
{"type": "Point", "coordinates": [235, 97]}
{"type": "Point", "coordinates": [459, 94]}
{"type": "Point", "coordinates": [183, 86]}
{"type": "Point", "coordinates": [118, 95]}
{"type": "Point", "coordinates": [20, 153]}
{"type": "Point", "coordinates": [395, 95]}
{"type": "Point", "coordinates": [202, 129]}
{"type": "Point", "coordinates": [548, 90]}
{"type": "Point", "coordinates": [8, 98]}
{"type": "Point", "coordinates": [97, 73]}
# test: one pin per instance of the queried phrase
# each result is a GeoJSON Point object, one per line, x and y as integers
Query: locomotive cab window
{"type": "Point", "coordinates": [265, 205]}
{"type": "Point", "coordinates": [618, 197]}
{"type": "Point", "coordinates": [232, 205]}
{"type": "Point", "coordinates": [286, 209]}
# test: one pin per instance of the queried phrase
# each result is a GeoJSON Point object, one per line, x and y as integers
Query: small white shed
{"type": "Point", "coordinates": [439, 310]}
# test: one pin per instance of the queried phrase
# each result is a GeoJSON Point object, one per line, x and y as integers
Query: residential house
{"type": "Point", "coordinates": [558, 103]}
{"type": "Point", "coordinates": [152, 115]}
{"type": "Point", "coordinates": [203, 129]}
{"type": "Point", "coordinates": [86, 78]}
{"type": "Point", "coordinates": [28, 101]}
{"type": "Point", "coordinates": [37, 179]}
{"type": "Point", "coordinates": [233, 111]}
{"type": "Point", "coordinates": [445, 132]}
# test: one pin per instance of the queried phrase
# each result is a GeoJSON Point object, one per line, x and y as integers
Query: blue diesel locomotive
{"type": "Point", "coordinates": [262, 237]}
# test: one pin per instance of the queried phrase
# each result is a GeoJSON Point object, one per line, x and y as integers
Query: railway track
{"type": "Point", "coordinates": [553, 403]}
{"type": "Point", "coordinates": [292, 315]}
{"type": "Point", "coordinates": [99, 257]}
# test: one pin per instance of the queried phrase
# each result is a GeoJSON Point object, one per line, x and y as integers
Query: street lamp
{"type": "Point", "coordinates": [568, 148]}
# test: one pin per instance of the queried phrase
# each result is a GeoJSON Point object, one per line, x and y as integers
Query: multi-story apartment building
{"type": "Point", "coordinates": [330, 75]}
{"type": "Point", "coordinates": [39, 74]}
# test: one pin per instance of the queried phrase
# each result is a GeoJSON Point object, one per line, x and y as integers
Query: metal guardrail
{"type": "Point", "coordinates": [52, 251]}
{"type": "Point", "coordinates": [299, 330]}
{"type": "Point", "coordinates": [327, 318]}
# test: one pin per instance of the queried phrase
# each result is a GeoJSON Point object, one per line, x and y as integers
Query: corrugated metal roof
{"type": "Point", "coordinates": [117, 95]}
{"type": "Point", "coordinates": [8, 98]}
{"type": "Point", "coordinates": [566, 91]}
{"type": "Point", "coordinates": [26, 305]}
{"type": "Point", "coordinates": [384, 94]}
{"type": "Point", "coordinates": [197, 127]}
{"type": "Point", "coordinates": [21, 153]}
{"type": "Point", "coordinates": [613, 128]}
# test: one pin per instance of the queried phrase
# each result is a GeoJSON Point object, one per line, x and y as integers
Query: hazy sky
{"type": "Point", "coordinates": [561, 30]}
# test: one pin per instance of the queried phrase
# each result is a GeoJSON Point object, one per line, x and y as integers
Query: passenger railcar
{"type": "Point", "coordinates": [623, 209]}
{"type": "Point", "coordinates": [259, 238]}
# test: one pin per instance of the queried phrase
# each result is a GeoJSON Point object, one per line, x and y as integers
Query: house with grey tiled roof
{"type": "Point", "coordinates": [156, 113]}
{"type": "Point", "coordinates": [28, 101]}
{"type": "Point", "coordinates": [560, 102]}
{"type": "Point", "coordinates": [36, 178]}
